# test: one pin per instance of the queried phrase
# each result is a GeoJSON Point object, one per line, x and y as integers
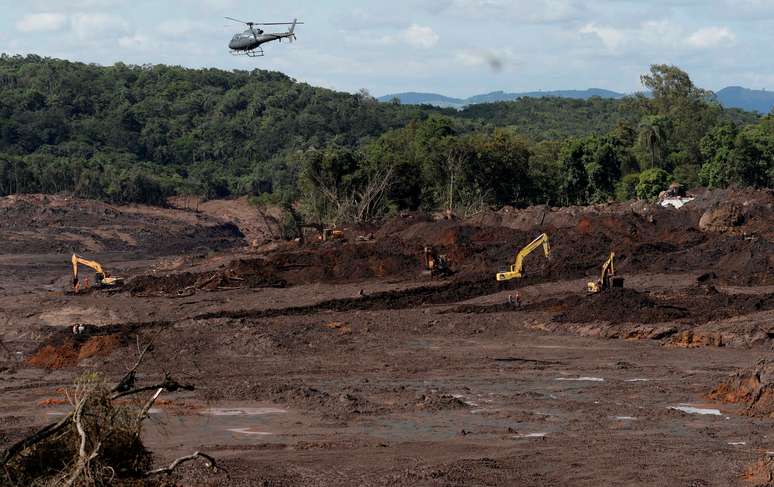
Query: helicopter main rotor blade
{"type": "Point", "coordinates": [237, 20]}
{"type": "Point", "coordinates": [278, 23]}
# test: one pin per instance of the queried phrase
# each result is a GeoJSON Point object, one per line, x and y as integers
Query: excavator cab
{"type": "Point", "coordinates": [516, 270]}
{"type": "Point", "coordinates": [436, 265]}
{"type": "Point", "coordinates": [332, 234]}
{"type": "Point", "coordinates": [607, 280]}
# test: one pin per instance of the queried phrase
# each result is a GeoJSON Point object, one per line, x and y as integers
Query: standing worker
{"type": "Point", "coordinates": [515, 300]}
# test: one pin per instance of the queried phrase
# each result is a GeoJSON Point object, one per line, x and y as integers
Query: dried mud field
{"type": "Point", "coordinates": [339, 363]}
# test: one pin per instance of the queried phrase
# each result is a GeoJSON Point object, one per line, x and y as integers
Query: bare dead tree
{"type": "Point", "coordinates": [471, 203]}
{"type": "Point", "coordinates": [96, 423]}
{"type": "Point", "coordinates": [454, 163]}
{"type": "Point", "coordinates": [371, 198]}
{"type": "Point", "coordinates": [357, 205]}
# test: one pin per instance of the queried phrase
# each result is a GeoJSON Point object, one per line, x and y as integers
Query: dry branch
{"type": "Point", "coordinates": [33, 439]}
{"type": "Point", "coordinates": [209, 462]}
{"type": "Point", "coordinates": [97, 439]}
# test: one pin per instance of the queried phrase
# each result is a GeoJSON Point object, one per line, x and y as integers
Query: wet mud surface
{"type": "Point", "coordinates": [339, 364]}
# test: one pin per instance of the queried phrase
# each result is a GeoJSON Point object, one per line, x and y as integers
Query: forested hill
{"type": "Point", "coordinates": [204, 121]}
{"type": "Point", "coordinates": [142, 133]}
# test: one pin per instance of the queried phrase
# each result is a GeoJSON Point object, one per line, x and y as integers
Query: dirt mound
{"type": "Point", "coordinates": [259, 225]}
{"type": "Point", "coordinates": [753, 388]}
{"type": "Point", "coordinates": [187, 282]}
{"type": "Point", "coordinates": [630, 306]}
{"type": "Point", "coordinates": [72, 352]}
{"type": "Point", "coordinates": [68, 347]}
{"type": "Point", "coordinates": [618, 305]}
{"type": "Point", "coordinates": [736, 211]}
{"type": "Point", "coordinates": [330, 262]}
{"type": "Point", "coordinates": [36, 224]}
{"type": "Point", "coordinates": [723, 218]}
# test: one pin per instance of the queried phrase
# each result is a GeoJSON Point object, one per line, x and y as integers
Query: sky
{"type": "Point", "coordinates": [454, 47]}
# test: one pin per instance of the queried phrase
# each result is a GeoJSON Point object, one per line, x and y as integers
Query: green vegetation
{"type": "Point", "coordinates": [143, 133]}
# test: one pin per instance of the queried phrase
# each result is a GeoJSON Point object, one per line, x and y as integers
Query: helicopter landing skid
{"type": "Point", "coordinates": [257, 52]}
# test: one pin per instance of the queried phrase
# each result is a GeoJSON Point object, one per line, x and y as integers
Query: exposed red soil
{"type": "Point", "coordinates": [71, 353]}
{"type": "Point", "coordinates": [752, 388]}
{"type": "Point", "coordinates": [64, 349]}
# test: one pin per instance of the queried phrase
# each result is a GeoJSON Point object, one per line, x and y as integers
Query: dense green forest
{"type": "Point", "coordinates": [142, 133]}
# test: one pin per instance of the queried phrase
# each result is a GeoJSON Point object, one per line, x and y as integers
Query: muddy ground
{"type": "Point", "coordinates": [338, 363]}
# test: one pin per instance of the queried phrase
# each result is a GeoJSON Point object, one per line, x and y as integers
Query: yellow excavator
{"type": "Point", "coordinates": [608, 279]}
{"type": "Point", "coordinates": [101, 277]}
{"type": "Point", "coordinates": [517, 269]}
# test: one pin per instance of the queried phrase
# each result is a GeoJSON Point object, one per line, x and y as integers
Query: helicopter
{"type": "Point", "coordinates": [248, 43]}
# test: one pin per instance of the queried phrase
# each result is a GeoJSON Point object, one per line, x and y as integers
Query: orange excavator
{"type": "Point", "coordinates": [101, 277]}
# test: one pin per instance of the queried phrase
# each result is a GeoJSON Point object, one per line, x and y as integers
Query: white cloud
{"type": "Point", "coordinates": [137, 41]}
{"type": "Point", "coordinates": [42, 22]}
{"type": "Point", "coordinates": [711, 37]}
{"type": "Point", "coordinates": [419, 36]}
{"type": "Point", "coordinates": [414, 35]}
{"type": "Point", "coordinates": [86, 26]}
{"type": "Point", "coordinates": [611, 37]}
{"type": "Point", "coordinates": [220, 3]}
{"type": "Point", "coordinates": [184, 27]}
{"type": "Point", "coordinates": [520, 11]}
{"type": "Point", "coordinates": [658, 36]}
{"type": "Point", "coordinates": [496, 59]}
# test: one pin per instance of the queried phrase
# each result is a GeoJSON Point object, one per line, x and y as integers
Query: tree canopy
{"type": "Point", "coordinates": [142, 133]}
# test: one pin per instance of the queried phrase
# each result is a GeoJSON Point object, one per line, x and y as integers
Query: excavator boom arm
{"type": "Point", "coordinates": [518, 265]}
{"type": "Point", "coordinates": [88, 263]}
{"type": "Point", "coordinates": [523, 253]}
{"type": "Point", "coordinates": [608, 268]}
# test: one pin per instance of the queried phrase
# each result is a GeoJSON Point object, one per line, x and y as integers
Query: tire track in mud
{"type": "Point", "coordinates": [63, 345]}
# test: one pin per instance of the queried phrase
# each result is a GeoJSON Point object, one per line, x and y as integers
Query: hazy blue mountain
{"type": "Point", "coordinates": [731, 97]}
{"type": "Point", "coordinates": [746, 99]}
{"type": "Point", "coordinates": [577, 94]}
{"type": "Point", "coordinates": [412, 98]}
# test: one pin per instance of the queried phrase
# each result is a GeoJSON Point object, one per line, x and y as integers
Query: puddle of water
{"type": "Point", "coordinates": [737, 443]}
{"type": "Point", "coordinates": [625, 418]}
{"type": "Point", "coordinates": [695, 410]}
{"type": "Point", "coordinates": [242, 411]}
{"type": "Point", "coordinates": [248, 431]}
{"type": "Point", "coordinates": [582, 379]}
{"type": "Point", "coordinates": [532, 435]}
{"type": "Point", "coordinates": [637, 380]}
